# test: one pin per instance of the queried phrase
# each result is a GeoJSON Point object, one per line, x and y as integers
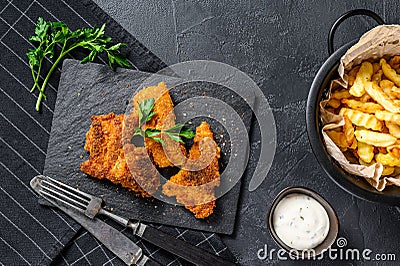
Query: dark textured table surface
{"type": "Point", "coordinates": [281, 45]}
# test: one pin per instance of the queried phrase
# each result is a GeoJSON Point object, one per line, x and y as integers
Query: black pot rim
{"type": "Point", "coordinates": [330, 166]}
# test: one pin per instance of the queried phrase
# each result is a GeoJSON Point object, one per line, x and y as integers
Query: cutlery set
{"type": "Point", "coordinates": [84, 208]}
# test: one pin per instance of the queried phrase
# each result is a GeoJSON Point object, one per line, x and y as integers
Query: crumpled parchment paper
{"type": "Point", "coordinates": [381, 41]}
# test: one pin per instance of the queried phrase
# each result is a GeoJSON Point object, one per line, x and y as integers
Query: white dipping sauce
{"type": "Point", "coordinates": [300, 221]}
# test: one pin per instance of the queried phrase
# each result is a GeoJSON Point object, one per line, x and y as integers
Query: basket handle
{"type": "Point", "coordinates": [351, 13]}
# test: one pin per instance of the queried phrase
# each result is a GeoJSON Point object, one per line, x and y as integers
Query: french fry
{"type": "Point", "coordinates": [389, 72]}
{"type": "Point", "coordinates": [365, 163]}
{"type": "Point", "coordinates": [365, 152]}
{"type": "Point", "coordinates": [352, 75]}
{"type": "Point", "coordinates": [365, 107]}
{"type": "Point", "coordinates": [380, 96]}
{"type": "Point", "coordinates": [394, 150]}
{"type": "Point", "coordinates": [335, 103]}
{"type": "Point", "coordinates": [394, 129]}
{"type": "Point", "coordinates": [387, 170]}
{"type": "Point", "coordinates": [377, 77]}
{"type": "Point", "coordinates": [338, 138]}
{"type": "Point", "coordinates": [386, 84]}
{"type": "Point", "coordinates": [348, 131]}
{"type": "Point", "coordinates": [365, 98]}
{"type": "Point", "coordinates": [364, 75]}
{"type": "Point", "coordinates": [374, 138]}
{"type": "Point", "coordinates": [387, 159]}
{"type": "Point", "coordinates": [376, 67]}
{"type": "Point", "coordinates": [388, 116]}
{"type": "Point", "coordinates": [362, 119]}
{"type": "Point", "coordinates": [396, 171]}
{"type": "Point", "coordinates": [394, 62]}
{"type": "Point", "coordinates": [389, 93]}
{"type": "Point", "coordinates": [396, 92]}
{"type": "Point", "coordinates": [341, 94]}
{"type": "Point", "coordinates": [353, 145]}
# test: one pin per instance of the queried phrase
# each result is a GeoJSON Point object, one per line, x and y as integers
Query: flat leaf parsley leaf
{"type": "Point", "coordinates": [175, 133]}
{"type": "Point", "coordinates": [48, 34]}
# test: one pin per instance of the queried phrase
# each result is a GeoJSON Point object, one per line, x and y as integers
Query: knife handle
{"type": "Point", "coordinates": [179, 247]}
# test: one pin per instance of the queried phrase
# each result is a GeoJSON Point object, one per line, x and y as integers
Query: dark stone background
{"type": "Point", "coordinates": [281, 45]}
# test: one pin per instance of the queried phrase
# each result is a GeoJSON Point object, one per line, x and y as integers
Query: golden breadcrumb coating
{"type": "Point", "coordinates": [188, 178]}
{"type": "Point", "coordinates": [107, 158]}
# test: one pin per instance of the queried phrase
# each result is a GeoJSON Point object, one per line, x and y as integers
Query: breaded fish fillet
{"type": "Point", "coordinates": [173, 153]}
{"type": "Point", "coordinates": [107, 159]}
{"type": "Point", "coordinates": [188, 178]}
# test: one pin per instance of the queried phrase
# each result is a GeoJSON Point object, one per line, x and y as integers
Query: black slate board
{"type": "Point", "coordinates": [94, 89]}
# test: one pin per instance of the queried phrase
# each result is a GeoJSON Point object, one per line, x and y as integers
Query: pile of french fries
{"type": "Point", "coordinates": [370, 106]}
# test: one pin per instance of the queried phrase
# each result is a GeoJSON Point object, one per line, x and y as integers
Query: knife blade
{"type": "Point", "coordinates": [111, 238]}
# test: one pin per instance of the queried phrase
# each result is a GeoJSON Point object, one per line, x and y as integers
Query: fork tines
{"type": "Point", "coordinates": [62, 193]}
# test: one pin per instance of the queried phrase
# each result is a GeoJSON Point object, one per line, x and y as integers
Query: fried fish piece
{"type": "Point", "coordinates": [203, 144]}
{"type": "Point", "coordinates": [107, 159]}
{"type": "Point", "coordinates": [173, 153]}
{"type": "Point", "coordinates": [144, 172]}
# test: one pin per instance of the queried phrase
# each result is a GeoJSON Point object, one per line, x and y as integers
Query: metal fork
{"type": "Point", "coordinates": [91, 206]}
{"type": "Point", "coordinates": [75, 199]}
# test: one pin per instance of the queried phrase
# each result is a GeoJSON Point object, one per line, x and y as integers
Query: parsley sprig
{"type": "Point", "coordinates": [175, 133]}
{"type": "Point", "coordinates": [48, 34]}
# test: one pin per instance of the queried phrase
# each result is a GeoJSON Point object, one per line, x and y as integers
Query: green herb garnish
{"type": "Point", "coordinates": [48, 34]}
{"type": "Point", "coordinates": [175, 133]}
